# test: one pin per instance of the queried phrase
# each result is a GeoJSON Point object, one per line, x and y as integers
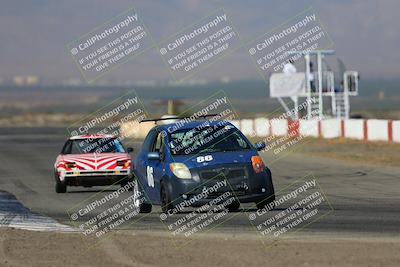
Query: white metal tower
{"type": "Point", "coordinates": [316, 85]}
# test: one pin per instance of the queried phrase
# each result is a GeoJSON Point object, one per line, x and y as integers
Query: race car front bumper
{"type": "Point", "coordinates": [95, 178]}
{"type": "Point", "coordinates": [240, 180]}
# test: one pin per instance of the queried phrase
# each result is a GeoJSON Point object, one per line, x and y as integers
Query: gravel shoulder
{"type": "Point", "coordinates": [376, 153]}
{"type": "Point", "coordinates": [128, 248]}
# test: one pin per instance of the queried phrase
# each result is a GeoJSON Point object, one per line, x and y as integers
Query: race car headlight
{"type": "Point", "coordinates": [70, 165]}
{"type": "Point", "coordinates": [124, 163]}
{"type": "Point", "coordinates": [180, 170]}
{"type": "Point", "coordinates": [258, 164]}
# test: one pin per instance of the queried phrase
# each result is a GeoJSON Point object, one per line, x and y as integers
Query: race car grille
{"type": "Point", "coordinates": [220, 173]}
{"type": "Point", "coordinates": [97, 173]}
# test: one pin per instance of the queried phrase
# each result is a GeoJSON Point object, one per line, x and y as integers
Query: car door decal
{"type": "Point", "coordinates": [150, 177]}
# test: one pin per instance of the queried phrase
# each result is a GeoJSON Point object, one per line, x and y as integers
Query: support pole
{"type": "Point", "coordinates": [308, 86]}
{"type": "Point", "coordinates": [319, 59]}
{"type": "Point", "coordinates": [295, 100]}
{"type": "Point", "coordinates": [346, 95]}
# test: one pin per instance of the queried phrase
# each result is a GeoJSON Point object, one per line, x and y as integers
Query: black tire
{"type": "Point", "coordinates": [262, 204]}
{"type": "Point", "coordinates": [143, 207]}
{"type": "Point", "coordinates": [60, 187]}
{"type": "Point", "coordinates": [166, 204]}
{"type": "Point", "coordinates": [271, 198]}
{"type": "Point", "coordinates": [125, 183]}
{"type": "Point", "coordinates": [234, 206]}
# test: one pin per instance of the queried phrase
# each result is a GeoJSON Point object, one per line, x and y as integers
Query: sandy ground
{"type": "Point", "coordinates": [376, 153]}
{"type": "Point", "coordinates": [128, 248]}
{"type": "Point", "coordinates": [349, 150]}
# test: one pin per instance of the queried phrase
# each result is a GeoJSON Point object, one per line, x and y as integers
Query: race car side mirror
{"type": "Point", "coordinates": [153, 156]}
{"type": "Point", "coordinates": [259, 146]}
{"type": "Point", "coordinates": [129, 149]}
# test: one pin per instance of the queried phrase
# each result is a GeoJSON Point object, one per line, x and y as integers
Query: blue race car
{"type": "Point", "coordinates": [179, 160]}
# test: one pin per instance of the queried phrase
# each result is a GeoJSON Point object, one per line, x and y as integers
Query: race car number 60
{"type": "Point", "coordinates": [205, 158]}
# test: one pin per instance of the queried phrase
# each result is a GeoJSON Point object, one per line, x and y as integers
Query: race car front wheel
{"type": "Point", "coordinates": [166, 204]}
{"type": "Point", "coordinates": [60, 187]}
{"type": "Point", "coordinates": [138, 200]}
{"type": "Point", "coordinates": [234, 206]}
{"type": "Point", "coordinates": [268, 200]}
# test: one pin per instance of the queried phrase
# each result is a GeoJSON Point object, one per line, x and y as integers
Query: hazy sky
{"type": "Point", "coordinates": [34, 34]}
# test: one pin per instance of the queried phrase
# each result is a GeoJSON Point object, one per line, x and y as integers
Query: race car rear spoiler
{"type": "Point", "coordinates": [178, 118]}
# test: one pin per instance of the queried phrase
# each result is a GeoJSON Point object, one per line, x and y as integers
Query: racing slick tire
{"type": "Point", "coordinates": [124, 184]}
{"type": "Point", "coordinates": [262, 204]}
{"type": "Point", "coordinates": [138, 203]}
{"type": "Point", "coordinates": [234, 206]}
{"type": "Point", "coordinates": [60, 186]}
{"type": "Point", "coordinates": [166, 204]}
{"type": "Point", "coordinates": [271, 198]}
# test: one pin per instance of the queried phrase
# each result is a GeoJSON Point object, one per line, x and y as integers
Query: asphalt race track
{"type": "Point", "coordinates": [365, 199]}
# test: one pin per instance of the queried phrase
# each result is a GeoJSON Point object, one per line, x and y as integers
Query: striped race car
{"type": "Point", "coordinates": [92, 160]}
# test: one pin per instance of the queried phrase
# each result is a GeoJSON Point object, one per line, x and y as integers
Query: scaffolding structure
{"type": "Point", "coordinates": [316, 85]}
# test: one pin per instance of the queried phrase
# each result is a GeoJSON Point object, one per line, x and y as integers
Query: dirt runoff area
{"type": "Point", "coordinates": [377, 153]}
{"type": "Point", "coordinates": [128, 248]}
{"type": "Point", "coordinates": [349, 150]}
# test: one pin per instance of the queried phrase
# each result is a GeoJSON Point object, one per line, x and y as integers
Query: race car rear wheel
{"type": "Point", "coordinates": [166, 204]}
{"type": "Point", "coordinates": [138, 200]}
{"type": "Point", "coordinates": [145, 208]}
{"type": "Point", "coordinates": [60, 187]}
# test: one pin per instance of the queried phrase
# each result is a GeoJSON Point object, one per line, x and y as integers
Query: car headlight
{"type": "Point", "coordinates": [180, 170]}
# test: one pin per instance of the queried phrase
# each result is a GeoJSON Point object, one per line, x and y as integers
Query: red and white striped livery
{"type": "Point", "coordinates": [90, 160]}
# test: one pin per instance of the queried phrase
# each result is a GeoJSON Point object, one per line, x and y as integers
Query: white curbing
{"type": "Point", "coordinates": [396, 131]}
{"type": "Point", "coordinates": [378, 130]}
{"type": "Point", "coordinates": [354, 129]}
{"type": "Point", "coordinates": [279, 127]}
{"type": "Point", "coordinates": [331, 128]}
{"type": "Point", "coordinates": [308, 128]}
{"type": "Point", "coordinates": [261, 126]}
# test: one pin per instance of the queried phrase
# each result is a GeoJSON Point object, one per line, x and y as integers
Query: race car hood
{"type": "Point", "coordinates": [217, 158]}
{"type": "Point", "coordinates": [95, 161]}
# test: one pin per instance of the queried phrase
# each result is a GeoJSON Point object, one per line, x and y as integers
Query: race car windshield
{"type": "Point", "coordinates": [205, 140]}
{"type": "Point", "coordinates": [97, 145]}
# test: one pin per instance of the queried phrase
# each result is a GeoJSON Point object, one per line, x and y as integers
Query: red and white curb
{"type": "Point", "coordinates": [360, 129]}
